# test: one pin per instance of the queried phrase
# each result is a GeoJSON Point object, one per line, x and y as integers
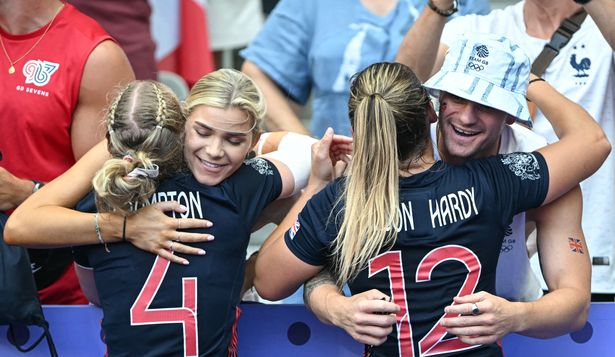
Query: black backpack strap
{"type": "Point", "coordinates": [560, 38]}
{"type": "Point", "coordinates": [12, 337]}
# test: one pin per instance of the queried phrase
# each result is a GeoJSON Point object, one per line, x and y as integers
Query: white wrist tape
{"type": "Point", "coordinates": [261, 143]}
{"type": "Point", "coordinates": [295, 151]}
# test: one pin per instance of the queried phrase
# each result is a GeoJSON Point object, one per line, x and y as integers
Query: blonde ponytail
{"type": "Point", "coordinates": [371, 190]}
{"type": "Point", "coordinates": [119, 191]}
{"type": "Point", "coordinates": [388, 113]}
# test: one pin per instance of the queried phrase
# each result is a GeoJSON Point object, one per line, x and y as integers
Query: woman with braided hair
{"type": "Point", "coordinates": [195, 168]}
{"type": "Point", "coordinates": [132, 175]}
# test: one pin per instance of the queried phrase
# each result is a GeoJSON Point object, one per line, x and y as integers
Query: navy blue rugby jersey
{"type": "Point", "coordinates": [448, 241]}
{"type": "Point", "coordinates": [155, 308]}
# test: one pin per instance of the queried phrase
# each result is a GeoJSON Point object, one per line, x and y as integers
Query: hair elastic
{"type": "Point", "coordinates": [151, 172]}
{"type": "Point", "coordinates": [128, 158]}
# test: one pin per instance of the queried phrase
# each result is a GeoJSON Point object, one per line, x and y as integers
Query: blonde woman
{"type": "Point", "coordinates": [420, 230]}
{"type": "Point", "coordinates": [151, 306]}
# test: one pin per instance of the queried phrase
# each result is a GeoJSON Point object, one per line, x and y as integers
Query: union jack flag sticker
{"type": "Point", "coordinates": [293, 230]}
{"type": "Point", "coordinates": [575, 245]}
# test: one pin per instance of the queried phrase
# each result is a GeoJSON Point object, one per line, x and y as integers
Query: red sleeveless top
{"type": "Point", "coordinates": [37, 102]}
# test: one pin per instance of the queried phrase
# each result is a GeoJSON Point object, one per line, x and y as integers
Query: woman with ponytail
{"type": "Point", "coordinates": [419, 230]}
{"type": "Point", "coordinates": [160, 161]}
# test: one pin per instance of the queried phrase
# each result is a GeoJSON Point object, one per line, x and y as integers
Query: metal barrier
{"type": "Point", "coordinates": [291, 330]}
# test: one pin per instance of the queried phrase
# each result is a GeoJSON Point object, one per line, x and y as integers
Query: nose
{"type": "Point", "coordinates": [213, 148]}
{"type": "Point", "coordinates": [468, 113]}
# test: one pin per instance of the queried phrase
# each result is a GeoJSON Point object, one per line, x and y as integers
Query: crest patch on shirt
{"type": "Point", "coordinates": [522, 164]}
{"type": "Point", "coordinates": [293, 230]}
{"type": "Point", "coordinates": [261, 165]}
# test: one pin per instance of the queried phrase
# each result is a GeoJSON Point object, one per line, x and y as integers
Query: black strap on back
{"type": "Point", "coordinates": [560, 38]}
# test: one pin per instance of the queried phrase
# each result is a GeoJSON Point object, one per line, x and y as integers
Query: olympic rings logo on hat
{"type": "Point", "coordinates": [475, 66]}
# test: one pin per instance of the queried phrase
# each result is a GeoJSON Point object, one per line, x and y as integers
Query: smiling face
{"type": "Point", "coordinates": [468, 130]}
{"type": "Point", "coordinates": [217, 142]}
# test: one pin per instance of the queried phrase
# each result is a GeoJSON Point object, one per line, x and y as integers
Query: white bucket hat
{"type": "Point", "coordinates": [487, 69]}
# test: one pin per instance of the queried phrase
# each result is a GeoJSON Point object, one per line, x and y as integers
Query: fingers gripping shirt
{"type": "Point", "coordinates": [153, 307]}
{"type": "Point", "coordinates": [453, 219]}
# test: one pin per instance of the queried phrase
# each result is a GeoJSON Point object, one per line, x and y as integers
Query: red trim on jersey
{"type": "Point", "coordinates": [232, 346]}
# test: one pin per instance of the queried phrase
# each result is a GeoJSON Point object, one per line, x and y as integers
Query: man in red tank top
{"type": "Point", "coordinates": [56, 69]}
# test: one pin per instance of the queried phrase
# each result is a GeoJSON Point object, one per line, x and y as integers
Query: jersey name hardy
{"type": "Point", "coordinates": [452, 207]}
{"type": "Point", "coordinates": [190, 200]}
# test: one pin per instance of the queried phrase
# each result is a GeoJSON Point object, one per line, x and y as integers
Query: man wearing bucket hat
{"type": "Point", "coordinates": [583, 71]}
{"type": "Point", "coordinates": [482, 87]}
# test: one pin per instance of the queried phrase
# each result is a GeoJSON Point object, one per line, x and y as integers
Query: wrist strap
{"type": "Point", "coordinates": [124, 228]}
{"type": "Point", "coordinates": [443, 13]}
{"type": "Point", "coordinates": [98, 232]}
{"type": "Point", "coordinates": [535, 80]}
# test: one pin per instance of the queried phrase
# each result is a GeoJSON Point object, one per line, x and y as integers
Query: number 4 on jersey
{"type": "Point", "coordinates": [141, 314]}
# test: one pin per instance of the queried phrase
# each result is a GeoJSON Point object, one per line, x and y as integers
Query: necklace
{"type": "Point", "coordinates": [12, 66]}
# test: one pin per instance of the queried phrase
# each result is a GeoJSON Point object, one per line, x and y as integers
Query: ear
{"type": "Point", "coordinates": [509, 119]}
{"type": "Point", "coordinates": [256, 137]}
{"type": "Point", "coordinates": [252, 152]}
{"type": "Point", "coordinates": [431, 113]}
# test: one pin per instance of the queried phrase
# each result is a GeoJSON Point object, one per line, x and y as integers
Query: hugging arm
{"type": "Point", "coordinates": [421, 49]}
{"type": "Point", "coordinates": [46, 219]}
{"type": "Point", "coordinates": [603, 12]}
{"type": "Point", "coordinates": [367, 317]}
{"type": "Point", "coordinates": [567, 273]}
{"type": "Point", "coordinates": [292, 155]}
{"type": "Point", "coordinates": [566, 267]}
{"type": "Point", "coordinates": [278, 271]}
{"type": "Point", "coordinates": [582, 146]}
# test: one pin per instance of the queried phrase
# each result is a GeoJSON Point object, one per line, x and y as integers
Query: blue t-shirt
{"type": "Point", "coordinates": [448, 241]}
{"type": "Point", "coordinates": [317, 45]}
{"type": "Point", "coordinates": [152, 307]}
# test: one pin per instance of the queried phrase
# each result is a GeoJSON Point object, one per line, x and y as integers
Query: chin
{"type": "Point", "coordinates": [208, 180]}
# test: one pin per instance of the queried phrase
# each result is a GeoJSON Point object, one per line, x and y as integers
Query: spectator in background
{"type": "Point", "coordinates": [52, 103]}
{"type": "Point", "coordinates": [584, 71]}
{"type": "Point", "coordinates": [232, 24]}
{"type": "Point", "coordinates": [313, 47]}
{"type": "Point", "coordinates": [128, 22]}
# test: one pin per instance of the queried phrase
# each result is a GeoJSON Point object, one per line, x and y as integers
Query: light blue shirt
{"type": "Point", "coordinates": [315, 46]}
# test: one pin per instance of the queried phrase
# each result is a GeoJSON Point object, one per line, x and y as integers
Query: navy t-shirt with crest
{"type": "Point", "coordinates": [448, 241]}
{"type": "Point", "coordinates": [153, 307]}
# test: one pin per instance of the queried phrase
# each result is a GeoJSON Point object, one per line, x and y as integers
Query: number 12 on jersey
{"type": "Point", "coordinates": [433, 342]}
